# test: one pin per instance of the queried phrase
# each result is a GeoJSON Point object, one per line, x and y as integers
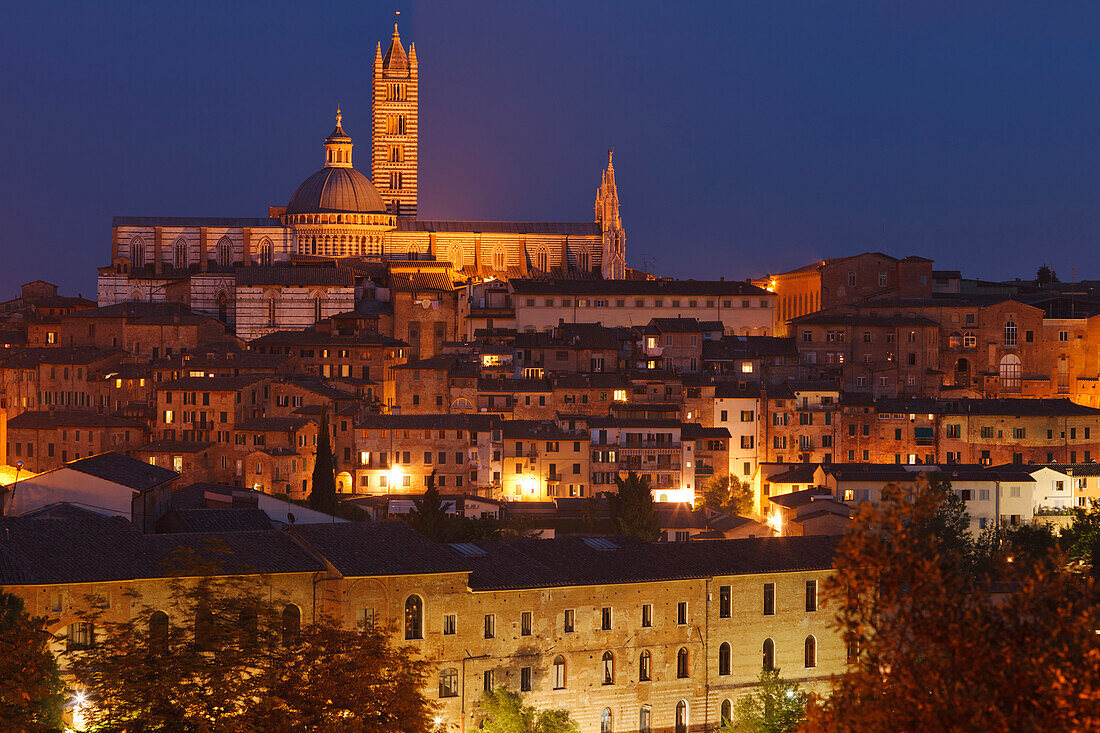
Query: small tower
{"type": "Point", "coordinates": [338, 146]}
{"type": "Point", "coordinates": [611, 224]}
{"type": "Point", "coordinates": [395, 127]}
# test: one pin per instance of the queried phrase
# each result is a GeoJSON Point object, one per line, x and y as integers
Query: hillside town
{"type": "Point", "coordinates": [525, 375]}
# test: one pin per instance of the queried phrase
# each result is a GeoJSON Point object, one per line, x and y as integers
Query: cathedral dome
{"type": "Point", "coordinates": [336, 190]}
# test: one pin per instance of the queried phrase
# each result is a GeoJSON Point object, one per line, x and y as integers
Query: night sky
{"type": "Point", "coordinates": [749, 136]}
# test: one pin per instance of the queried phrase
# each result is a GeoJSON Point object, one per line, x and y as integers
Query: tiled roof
{"type": "Point", "coordinates": [799, 498]}
{"type": "Point", "coordinates": [174, 446]}
{"type": "Point", "coordinates": [273, 424]}
{"type": "Point", "coordinates": [313, 338]}
{"type": "Point", "coordinates": [212, 384]}
{"type": "Point", "coordinates": [228, 519]}
{"type": "Point", "coordinates": [569, 561]}
{"type": "Point", "coordinates": [287, 275]}
{"type": "Point", "coordinates": [379, 548]}
{"type": "Point", "coordinates": [131, 472]}
{"type": "Point", "coordinates": [70, 355]}
{"type": "Point", "coordinates": [635, 287]}
{"type": "Point", "coordinates": [695, 431]}
{"type": "Point", "coordinates": [47, 419]}
{"type": "Point", "coordinates": [683, 325]}
{"type": "Point", "coordinates": [572, 229]}
{"type": "Point", "coordinates": [418, 281]}
{"type": "Point", "coordinates": [802, 473]}
{"type": "Point", "coordinates": [192, 221]}
{"type": "Point", "coordinates": [427, 422]}
{"type": "Point", "coordinates": [834, 318]}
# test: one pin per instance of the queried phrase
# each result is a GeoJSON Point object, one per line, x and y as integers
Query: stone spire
{"type": "Point", "coordinates": [396, 63]}
{"type": "Point", "coordinates": [338, 146]}
{"type": "Point", "coordinates": [611, 224]}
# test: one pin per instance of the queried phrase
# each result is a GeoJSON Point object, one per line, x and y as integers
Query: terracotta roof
{"type": "Point", "coordinates": [212, 384]}
{"type": "Point", "coordinates": [131, 472]}
{"type": "Point", "coordinates": [47, 419]}
{"type": "Point", "coordinates": [637, 287]}
{"type": "Point", "coordinates": [291, 275]}
{"type": "Point", "coordinates": [417, 281]}
{"type": "Point", "coordinates": [379, 548]}
{"type": "Point", "coordinates": [228, 519]}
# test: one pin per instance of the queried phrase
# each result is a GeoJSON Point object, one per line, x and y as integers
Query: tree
{"type": "Point", "coordinates": [775, 706]}
{"type": "Point", "coordinates": [727, 494]}
{"type": "Point", "coordinates": [31, 691]}
{"type": "Point", "coordinates": [503, 711]}
{"type": "Point", "coordinates": [429, 516]}
{"type": "Point", "coordinates": [322, 495]}
{"type": "Point", "coordinates": [937, 641]}
{"type": "Point", "coordinates": [632, 509]}
{"type": "Point", "coordinates": [223, 655]}
{"type": "Point", "coordinates": [1045, 275]}
{"type": "Point", "coordinates": [1081, 540]}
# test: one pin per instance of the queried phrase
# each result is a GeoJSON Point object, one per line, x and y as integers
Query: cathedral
{"type": "Point", "coordinates": [338, 217]}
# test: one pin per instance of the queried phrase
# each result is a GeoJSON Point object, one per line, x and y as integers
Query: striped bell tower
{"type": "Point", "coordinates": [395, 126]}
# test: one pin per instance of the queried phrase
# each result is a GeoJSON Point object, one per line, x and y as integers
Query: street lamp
{"type": "Point", "coordinates": [395, 476]}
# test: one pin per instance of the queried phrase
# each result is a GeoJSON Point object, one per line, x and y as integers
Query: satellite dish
{"type": "Point", "coordinates": [290, 517]}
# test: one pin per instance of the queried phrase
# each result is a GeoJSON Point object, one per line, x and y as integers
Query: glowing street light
{"type": "Point", "coordinates": [775, 521]}
{"type": "Point", "coordinates": [531, 483]}
{"type": "Point", "coordinates": [395, 476]}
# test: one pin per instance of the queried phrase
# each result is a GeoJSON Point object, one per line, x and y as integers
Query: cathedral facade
{"type": "Point", "coordinates": [338, 214]}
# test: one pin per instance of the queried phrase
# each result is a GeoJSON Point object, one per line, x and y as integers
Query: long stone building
{"type": "Point", "coordinates": [209, 262]}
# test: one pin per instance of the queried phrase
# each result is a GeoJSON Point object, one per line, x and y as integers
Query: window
{"type": "Point", "coordinates": [1010, 372]}
{"type": "Point", "coordinates": [450, 624]}
{"type": "Point", "coordinates": [851, 278]}
{"type": "Point", "coordinates": [525, 623]}
{"type": "Point", "coordinates": [414, 618]}
{"type": "Point", "coordinates": [645, 664]}
{"type": "Point", "coordinates": [724, 659]}
{"type": "Point", "coordinates": [682, 717]}
{"type": "Point", "coordinates": [647, 615]}
{"type": "Point", "coordinates": [608, 668]}
{"type": "Point", "coordinates": [448, 682]}
{"type": "Point", "coordinates": [525, 679]}
{"type": "Point", "coordinates": [570, 618]}
{"type": "Point", "coordinates": [682, 613]}
{"type": "Point", "coordinates": [1010, 333]}
{"type": "Point", "coordinates": [158, 632]}
{"type": "Point", "coordinates": [643, 720]}
{"type": "Point", "coordinates": [605, 721]}
{"type": "Point", "coordinates": [292, 624]}
{"type": "Point", "coordinates": [490, 626]}
{"type": "Point", "coordinates": [727, 713]}
{"type": "Point", "coordinates": [769, 599]}
{"type": "Point", "coordinates": [79, 635]}
{"type": "Point", "coordinates": [811, 596]}
{"type": "Point", "coordinates": [682, 663]}
{"type": "Point", "coordinates": [559, 672]}
{"type": "Point", "coordinates": [811, 652]}
{"type": "Point", "coordinates": [769, 654]}
{"type": "Point", "coordinates": [725, 601]}
{"type": "Point", "coordinates": [487, 680]}
{"type": "Point", "coordinates": [605, 618]}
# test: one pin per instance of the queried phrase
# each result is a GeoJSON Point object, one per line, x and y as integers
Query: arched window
{"type": "Point", "coordinates": [559, 672]}
{"type": "Point", "coordinates": [137, 252]}
{"type": "Point", "coordinates": [223, 307]}
{"type": "Point", "coordinates": [448, 682]}
{"type": "Point", "coordinates": [769, 654]}
{"type": "Point", "coordinates": [204, 630]}
{"type": "Point", "coordinates": [1010, 372]}
{"type": "Point", "coordinates": [414, 618]}
{"type": "Point", "coordinates": [224, 252]}
{"type": "Point", "coordinates": [682, 662]}
{"type": "Point", "coordinates": [608, 668]}
{"type": "Point", "coordinates": [498, 259]}
{"type": "Point", "coordinates": [292, 624]}
{"type": "Point", "coordinates": [582, 260]}
{"type": "Point", "coordinates": [181, 253]}
{"type": "Point", "coordinates": [724, 659]}
{"type": "Point", "coordinates": [969, 340]}
{"type": "Point", "coordinates": [158, 633]}
{"type": "Point", "coordinates": [462, 404]}
{"type": "Point", "coordinates": [645, 664]}
{"type": "Point", "coordinates": [643, 720]}
{"type": "Point", "coordinates": [727, 713]}
{"type": "Point", "coordinates": [248, 628]}
{"type": "Point", "coordinates": [318, 307]}
{"type": "Point", "coordinates": [267, 252]}
{"type": "Point", "coordinates": [1010, 333]}
{"type": "Point", "coordinates": [811, 651]}
{"type": "Point", "coordinates": [313, 246]}
{"type": "Point", "coordinates": [542, 259]}
{"type": "Point", "coordinates": [605, 721]}
{"type": "Point", "coordinates": [271, 311]}
{"type": "Point", "coordinates": [682, 717]}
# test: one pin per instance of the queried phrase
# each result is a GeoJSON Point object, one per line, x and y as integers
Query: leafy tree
{"type": "Point", "coordinates": [429, 516]}
{"type": "Point", "coordinates": [322, 496]}
{"type": "Point", "coordinates": [727, 494]}
{"type": "Point", "coordinates": [503, 711]}
{"type": "Point", "coordinates": [221, 656]}
{"type": "Point", "coordinates": [1081, 540]}
{"type": "Point", "coordinates": [775, 706]}
{"type": "Point", "coordinates": [938, 642]}
{"type": "Point", "coordinates": [1045, 275]}
{"type": "Point", "coordinates": [31, 692]}
{"type": "Point", "coordinates": [632, 509]}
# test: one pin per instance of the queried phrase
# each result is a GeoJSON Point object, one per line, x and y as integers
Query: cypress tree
{"type": "Point", "coordinates": [322, 497]}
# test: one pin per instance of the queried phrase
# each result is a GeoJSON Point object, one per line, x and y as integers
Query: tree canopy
{"type": "Point", "coordinates": [726, 494]}
{"type": "Point", "coordinates": [31, 692]}
{"type": "Point", "coordinates": [429, 516]}
{"type": "Point", "coordinates": [939, 641]}
{"type": "Point", "coordinates": [632, 508]}
{"type": "Point", "coordinates": [503, 711]}
{"type": "Point", "coordinates": [774, 706]}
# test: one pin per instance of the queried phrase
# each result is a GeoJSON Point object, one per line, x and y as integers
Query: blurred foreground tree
{"type": "Point", "coordinates": [937, 641]}
{"type": "Point", "coordinates": [775, 706]}
{"type": "Point", "coordinates": [503, 711]}
{"type": "Point", "coordinates": [31, 692]}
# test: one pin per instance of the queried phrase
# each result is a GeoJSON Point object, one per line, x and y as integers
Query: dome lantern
{"type": "Point", "coordinates": [338, 146]}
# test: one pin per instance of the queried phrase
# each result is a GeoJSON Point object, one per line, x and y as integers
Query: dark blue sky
{"type": "Point", "coordinates": [749, 136]}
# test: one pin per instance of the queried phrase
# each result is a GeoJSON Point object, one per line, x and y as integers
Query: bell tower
{"type": "Point", "coordinates": [611, 225]}
{"type": "Point", "coordinates": [395, 126]}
